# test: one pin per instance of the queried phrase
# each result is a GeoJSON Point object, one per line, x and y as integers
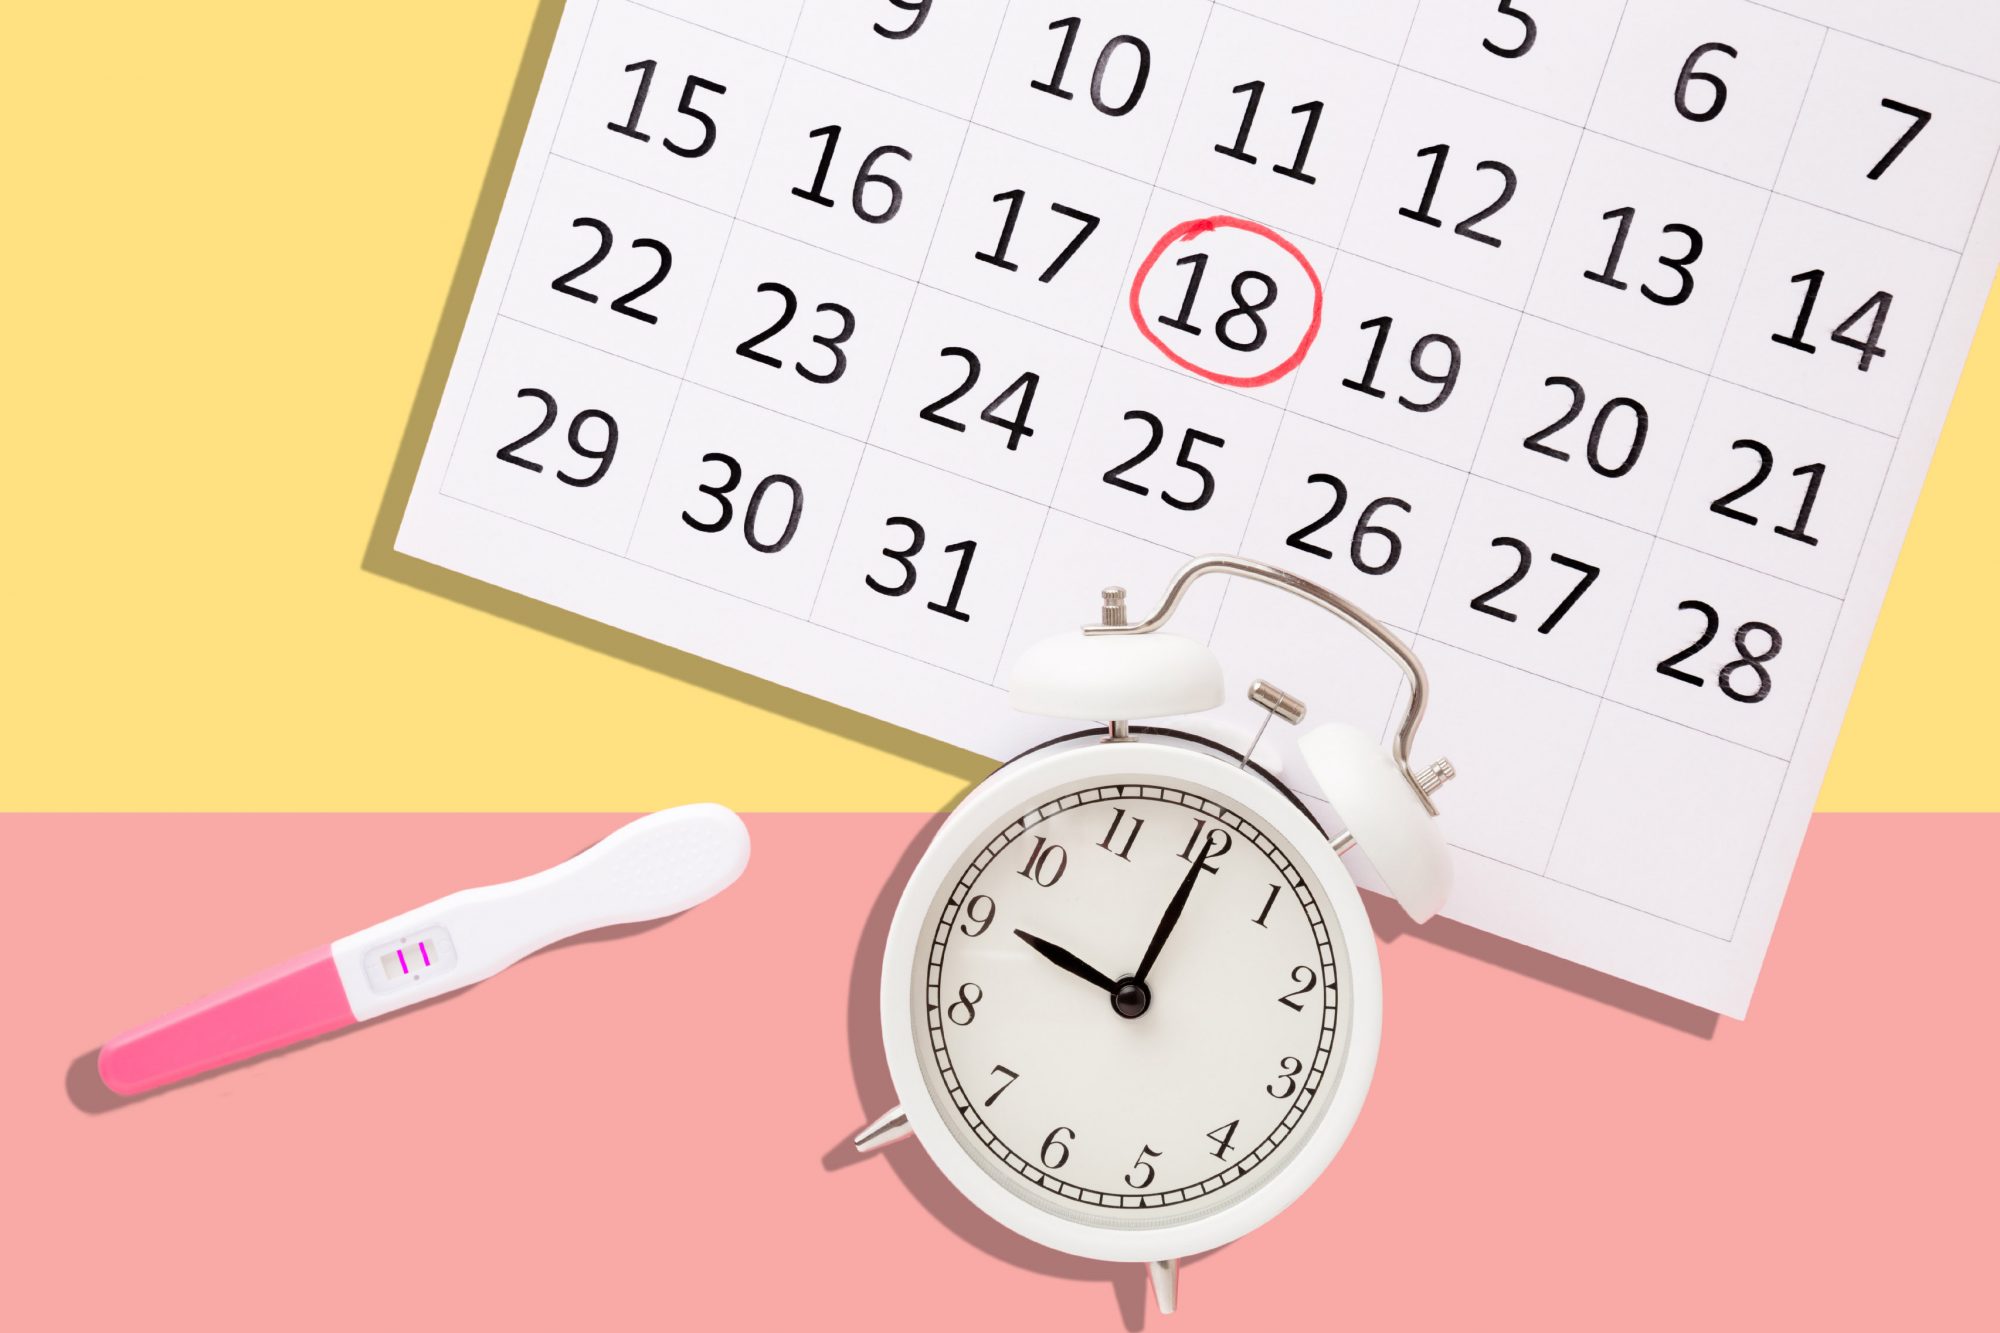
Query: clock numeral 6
{"type": "Point", "coordinates": [1055, 1149]}
{"type": "Point", "coordinates": [1142, 1165]}
{"type": "Point", "coordinates": [1307, 979]}
{"type": "Point", "coordinates": [969, 996]}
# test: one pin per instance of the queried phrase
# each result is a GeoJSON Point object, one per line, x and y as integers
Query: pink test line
{"type": "Point", "coordinates": [425, 950]}
{"type": "Point", "coordinates": [404, 961]}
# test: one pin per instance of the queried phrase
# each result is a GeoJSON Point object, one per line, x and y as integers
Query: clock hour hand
{"type": "Point", "coordinates": [1172, 915]}
{"type": "Point", "coordinates": [1068, 961]}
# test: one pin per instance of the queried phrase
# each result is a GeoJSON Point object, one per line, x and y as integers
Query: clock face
{"type": "Point", "coordinates": [1126, 1006]}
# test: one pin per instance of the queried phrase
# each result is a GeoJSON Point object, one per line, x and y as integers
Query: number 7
{"type": "Point", "coordinates": [1920, 118]}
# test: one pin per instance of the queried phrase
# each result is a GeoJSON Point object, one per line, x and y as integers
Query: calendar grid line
{"type": "Point", "coordinates": [534, 197]}
{"type": "Point", "coordinates": [1338, 250]}
{"type": "Point", "coordinates": [1867, 530]}
{"type": "Point", "coordinates": [1595, 893]}
{"type": "Point", "coordinates": [1065, 150]}
{"type": "Point", "coordinates": [1626, 629]}
{"type": "Point", "coordinates": [1513, 341]}
{"type": "Point", "coordinates": [1857, 37]}
{"type": "Point", "coordinates": [683, 576]}
{"type": "Point", "coordinates": [708, 299]}
{"type": "Point", "coordinates": [896, 348]}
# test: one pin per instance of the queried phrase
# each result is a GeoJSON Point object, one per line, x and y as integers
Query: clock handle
{"type": "Point", "coordinates": [1422, 781]}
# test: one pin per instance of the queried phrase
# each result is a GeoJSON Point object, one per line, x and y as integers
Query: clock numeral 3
{"type": "Point", "coordinates": [1289, 1070]}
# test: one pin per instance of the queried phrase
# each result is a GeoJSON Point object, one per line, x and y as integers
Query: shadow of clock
{"type": "Point", "coordinates": [913, 1167]}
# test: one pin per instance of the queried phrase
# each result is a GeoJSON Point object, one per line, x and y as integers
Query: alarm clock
{"type": "Point", "coordinates": [1130, 997]}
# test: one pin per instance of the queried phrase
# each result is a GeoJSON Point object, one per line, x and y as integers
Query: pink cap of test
{"type": "Point", "coordinates": [289, 1003]}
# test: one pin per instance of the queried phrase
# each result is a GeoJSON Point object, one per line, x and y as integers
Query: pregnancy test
{"type": "Point", "coordinates": [652, 867]}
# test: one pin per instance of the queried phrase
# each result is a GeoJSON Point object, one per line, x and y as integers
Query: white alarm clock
{"type": "Point", "coordinates": [1130, 997]}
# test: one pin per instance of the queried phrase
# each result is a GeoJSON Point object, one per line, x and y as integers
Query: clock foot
{"type": "Point", "coordinates": [891, 1126]}
{"type": "Point", "coordinates": [1166, 1275]}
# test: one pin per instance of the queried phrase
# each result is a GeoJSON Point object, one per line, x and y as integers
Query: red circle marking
{"type": "Point", "coordinates": [1200, 227]}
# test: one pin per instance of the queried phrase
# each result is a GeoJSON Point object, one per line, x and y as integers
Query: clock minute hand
{"type": "Point", "coordinates": [1172, 915]}
{"type": "Point", "coordinates": [1068, 961]}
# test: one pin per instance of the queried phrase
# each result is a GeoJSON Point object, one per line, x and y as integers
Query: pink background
{"type": "Point", "coordinates": [648, 1130]}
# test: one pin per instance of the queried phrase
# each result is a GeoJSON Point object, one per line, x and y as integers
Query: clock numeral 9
{"type": "Point", "coordinates": [1055, 1148]}
{"type": "Point", "coordinates": [1308, 981]}
{"type": "Point", "coordinates": [733, 475]}
{"type": "Point", "coordinates": [969, 996]}
{"type": "Point", "coordinates": [973, 918]}
{"type": "Point", "coordinates": [511, 452]}
{"type": "Point", "coordinates": [1141, 1164]}
{"type": "Point", "coordinates": [904, 559]}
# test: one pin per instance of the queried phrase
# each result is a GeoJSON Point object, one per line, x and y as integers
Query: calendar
{"type": "Point", "coordinates": [1599, 347]}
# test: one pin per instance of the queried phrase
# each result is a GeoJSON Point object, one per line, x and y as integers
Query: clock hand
{"type": "Point", "coordinates": [1172, 915]}
{"type": "Point", "coordinates": [1068, 961]}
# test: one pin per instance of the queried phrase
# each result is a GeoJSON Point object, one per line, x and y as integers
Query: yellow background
{"type": "Point", "coordinates": [238, 241]}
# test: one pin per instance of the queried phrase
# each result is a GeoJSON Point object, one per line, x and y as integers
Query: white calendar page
{"type": "Point", "coordinates": [1599, 347]}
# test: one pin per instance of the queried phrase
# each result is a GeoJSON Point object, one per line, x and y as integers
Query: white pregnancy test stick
{"type": "Point", "coordinates": [652, 867]}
